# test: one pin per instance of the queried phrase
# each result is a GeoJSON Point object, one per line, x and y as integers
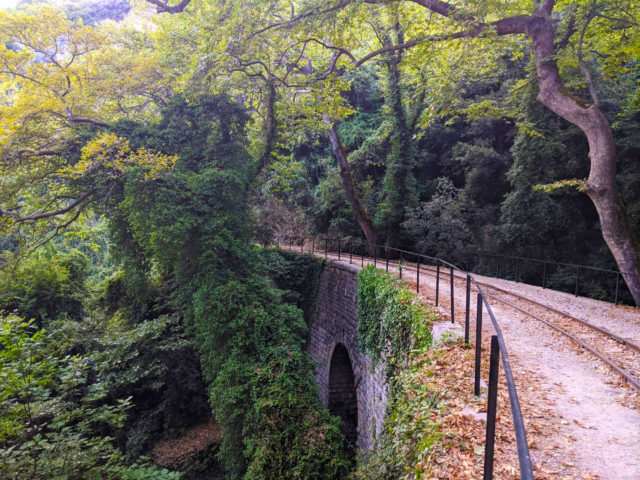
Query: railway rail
{"type": "Point", "coordinates": [618, 353]}
{"type": "Point", "coordinates": [498, 356]}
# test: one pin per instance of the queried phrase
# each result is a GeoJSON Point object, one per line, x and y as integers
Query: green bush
{"type": "Point", "coordinates": [53, 417]}
{"type": "Point", "coordinates": [46, 285]}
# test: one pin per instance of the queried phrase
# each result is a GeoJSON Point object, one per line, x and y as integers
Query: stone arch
{"type": "Point", "coordinates": [343, 399]}
{"type": "Point", "coordinates": [335, 322]}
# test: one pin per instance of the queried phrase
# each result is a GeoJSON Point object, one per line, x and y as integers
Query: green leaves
{"type": "Point", "coordinates": [46, 285]}
{"type": "Point", "coordinates": [394, 327]}
{"type": "Point", "coordinates": [48, 425]}
{"type": "Point", "coordinates": [580, 185]}
{"type": "Point", "coordinates": [390, 318]}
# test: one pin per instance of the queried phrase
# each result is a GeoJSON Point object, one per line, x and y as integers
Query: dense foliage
{"type": "Point", "coordinates": [297, 275]}
{"type": "Point", "coordinates": [145, 147]}
{"type": "Point", "coordinates": [192, 228]}
{"type": "Point", "coordinates": [395, 327]}
{"type": "Point", "coordinates": [57, 418]}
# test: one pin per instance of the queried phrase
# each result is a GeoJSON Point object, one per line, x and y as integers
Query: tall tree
{"type": "Point", "coordinates": [541, 28]}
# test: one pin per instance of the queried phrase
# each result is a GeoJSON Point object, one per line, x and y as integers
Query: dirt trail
{"type": "Point", "coordinates": [593, 417]}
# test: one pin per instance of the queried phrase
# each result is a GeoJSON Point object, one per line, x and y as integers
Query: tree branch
{"type": "Point", "coordinates": [39, 216]}
{"type": "Point", "coordinates": [73, 119]}
{"type": "Point", "coordinates": [583, 67]}
{"type": "Point", "coordinates": [506, 26]}
{"type": "Point", "coordinates": [341, 4]}
{"type": "Point", "coordinates": [162, 7]}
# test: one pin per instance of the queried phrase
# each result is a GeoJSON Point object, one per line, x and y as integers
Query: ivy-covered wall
{"type": "Point", "coordinates": [394, 329]}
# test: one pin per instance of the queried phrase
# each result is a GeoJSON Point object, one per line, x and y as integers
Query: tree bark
{"type": "Point", "coordinates": [601, 184]}
{"type": "Point", "coordinates": [270, 123]}
{"type": "Point", "coordinates": [362, 216]}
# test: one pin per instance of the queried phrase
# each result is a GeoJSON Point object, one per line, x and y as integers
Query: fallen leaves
{"type": "Point", "coordinates": [172, 451]}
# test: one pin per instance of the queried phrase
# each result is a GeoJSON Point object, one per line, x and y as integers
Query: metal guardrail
{"type": "Point", "coordinates": [498, 346]}
{"type": "Point", "coordinates": [522, 261]}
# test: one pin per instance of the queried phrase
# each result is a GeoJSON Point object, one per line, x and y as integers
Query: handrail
{"type": "Point", "coordinates": [524, 457]}
{"type": "Point", "coordinates": [539, 260]}
{"type": "Point", "coordinates": [619, 275]}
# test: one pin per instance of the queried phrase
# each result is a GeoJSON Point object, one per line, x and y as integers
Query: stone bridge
{"type": "Point", "coordinates": [348, 386]}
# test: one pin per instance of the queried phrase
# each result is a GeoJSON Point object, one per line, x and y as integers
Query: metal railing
{"type": "Point", "coordinates": [503, 267]}
{"type": "Point", "coordinates": [382, 254]}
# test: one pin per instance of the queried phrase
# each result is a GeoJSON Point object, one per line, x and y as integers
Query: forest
{"type": "Point", "coordinates": [148, 147]}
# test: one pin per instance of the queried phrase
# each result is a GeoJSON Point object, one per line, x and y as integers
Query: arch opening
{"type": "Point", "coordinates": [343, 400]}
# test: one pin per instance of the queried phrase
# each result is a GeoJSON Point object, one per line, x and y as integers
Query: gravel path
{"type": "Point", "coordinates": [619, 319]}
{"type": "Point", "coordinates": [594, 417]}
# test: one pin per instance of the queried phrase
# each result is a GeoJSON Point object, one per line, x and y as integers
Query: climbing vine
{"type": "Point", "coordinates": [390, 318]}
{"type": "Point", "coordinates": [297, 275]}
{"type": "Point", "coordinates": [394, 327]}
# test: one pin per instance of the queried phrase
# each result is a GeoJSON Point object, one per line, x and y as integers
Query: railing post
{"type": "Point", "coordinates": [476, 383]}
{"type": "Point", "coordinates": [577, 279]}
{"type": "Point", "coordinates": [302, 245]}
{"type": "Point", "coordinates": [313, 245]}
{"type": "Point", "coordinates": [517, 269]}
{"type": "Point", "coordinates": [466, 313]}
{"type": "Point", "coordinates": [351, 255]}
{"type": "Point", "coordinates": [617, 286]}
{"type": "Point", "coordinates": [418, 277]}
{"type": "Point", "coordinates": [326, 247]}
{"type": "Point", "coordinates": [339, 249]}
{"type": "Point", "coordinates": [437, 283]}
{"type": "Point", "coordinates": [452, 299]}
{"type": "Point", "coordinates": [492, 397]}
{"type": "Point", "coordinates": [386, 256]}
{"type": "Point", "coordinates": [362, 261]}
{"type": "Point", "coordinates": [544, 276]}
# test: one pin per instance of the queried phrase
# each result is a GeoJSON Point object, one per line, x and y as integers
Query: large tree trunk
{"type": "Point", "coordinates": [601, 185]}
{"type": "Point", "coordinates": [362, 216]}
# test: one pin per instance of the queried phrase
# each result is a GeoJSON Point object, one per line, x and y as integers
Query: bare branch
{"type": "Point", "coordinates": [73, 119]}
{"type": "Point", "coordinates": [571, 29]}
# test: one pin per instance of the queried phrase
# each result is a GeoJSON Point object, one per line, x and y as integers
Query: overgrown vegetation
{"type": "Point", "coordinates": [193, 228]}
{"type": "Point", "coordinates": [191, 325]}
{"type": "Point", "coordinates": [394, 327]}
{"type": "Point", "coordinates": [57, 419]}
{"type": "Point", "coordinates": [142, 155]}
{"type": "Point", "coordinates": [297, 275]}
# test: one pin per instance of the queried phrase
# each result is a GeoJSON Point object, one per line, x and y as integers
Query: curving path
{"type": "Point", "coordinates": [587, 417]}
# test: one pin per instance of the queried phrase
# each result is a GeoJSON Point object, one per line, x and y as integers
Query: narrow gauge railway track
{"type": "Point", "coordinates": [619, 353]}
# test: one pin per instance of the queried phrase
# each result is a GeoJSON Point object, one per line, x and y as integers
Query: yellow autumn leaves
{"type": "Point", "coordinates": [112, 154]}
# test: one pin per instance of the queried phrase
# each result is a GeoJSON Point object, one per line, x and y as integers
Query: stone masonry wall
{"type": "Point", "coordinates": [336, 322]}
